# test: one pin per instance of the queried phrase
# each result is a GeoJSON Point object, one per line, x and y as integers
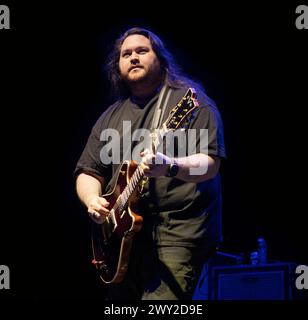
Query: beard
{"type": "Point", "coordinates": [136, 75]}
{"type": "Point", "coordinates": [142, 76]}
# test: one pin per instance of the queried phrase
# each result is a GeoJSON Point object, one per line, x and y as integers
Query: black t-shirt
{"type": "Point", "coordinates": [175, 212]}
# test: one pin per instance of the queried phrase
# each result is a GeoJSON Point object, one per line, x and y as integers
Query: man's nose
{"type": "Point", "coordinates": [134, 58]}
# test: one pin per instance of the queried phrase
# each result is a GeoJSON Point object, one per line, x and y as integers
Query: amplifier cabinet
{"type": "Point", "coordinates": [252, 282]}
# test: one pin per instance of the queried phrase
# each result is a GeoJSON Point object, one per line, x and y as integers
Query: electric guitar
{"type": "Point", "coordinates": [112, 240]}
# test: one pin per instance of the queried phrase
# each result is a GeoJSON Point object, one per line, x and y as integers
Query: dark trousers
{"type": "Point", "coordinates": [161, 273]}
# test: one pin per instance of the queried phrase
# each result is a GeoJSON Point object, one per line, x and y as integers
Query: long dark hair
{"type": "Point", "coordinates": [173, 75]}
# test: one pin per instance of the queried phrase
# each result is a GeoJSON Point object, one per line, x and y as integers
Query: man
{"type": "Point", "coordinates": [180, 207]}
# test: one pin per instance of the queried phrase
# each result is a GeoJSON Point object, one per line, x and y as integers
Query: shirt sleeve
{"type": "Point", "coordinates": [210, 140]}
{"type": "Point", "coordinates": [90, 160]}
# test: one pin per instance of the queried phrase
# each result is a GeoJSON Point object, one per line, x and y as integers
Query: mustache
{"type": "Point", "coordinates": [135, 66]}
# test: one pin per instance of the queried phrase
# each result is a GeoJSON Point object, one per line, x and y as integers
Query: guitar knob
{"type": "Point", "coordinates": [96, 262]}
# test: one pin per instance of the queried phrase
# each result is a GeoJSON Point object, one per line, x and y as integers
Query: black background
{"type": "Point", "coordinates": [250, 58]}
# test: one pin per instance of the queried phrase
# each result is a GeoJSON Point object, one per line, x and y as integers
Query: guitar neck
{"type": "Point", "coordinates": [130, 187]}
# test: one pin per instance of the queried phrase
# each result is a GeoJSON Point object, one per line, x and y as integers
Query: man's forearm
{"type": "Point", "coordinates": [198, 167]}
{"type": "Point", "coordinates": [88, 186]}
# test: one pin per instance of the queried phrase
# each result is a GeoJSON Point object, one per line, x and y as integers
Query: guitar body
{"type": "Point", "coordinates": [112, 240]}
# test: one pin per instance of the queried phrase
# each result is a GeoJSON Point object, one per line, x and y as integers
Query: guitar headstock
{"type": "Point", "coordinates": [179, 114]}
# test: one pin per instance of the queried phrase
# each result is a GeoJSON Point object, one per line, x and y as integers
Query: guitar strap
{"type": "Point", "coordinates": [160, 107]}
{"type": "Point", "coordinates": [156, 123]}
